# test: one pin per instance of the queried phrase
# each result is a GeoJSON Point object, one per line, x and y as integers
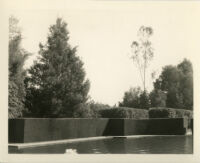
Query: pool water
{"type": "Point", "coordinates": [138, 145]}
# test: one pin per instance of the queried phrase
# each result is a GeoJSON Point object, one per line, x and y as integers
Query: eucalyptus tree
{"type": "Point", "coordinates": [142, 52]}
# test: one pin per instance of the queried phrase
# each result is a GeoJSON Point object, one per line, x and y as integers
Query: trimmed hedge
{"type": "Point", "coordinates": [161, 112]}
{"type": "Point", "coordinates": [97, 108]}
{"type": "Point", "coordinates": [49, 129]}
{"type": "Point", "coordinates": [124, 112]}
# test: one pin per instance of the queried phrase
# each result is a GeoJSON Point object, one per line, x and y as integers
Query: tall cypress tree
{"type": "Point", "coordinates": [57, 83]}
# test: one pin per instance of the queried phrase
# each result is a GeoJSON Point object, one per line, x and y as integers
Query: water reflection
{"type": "Point", "coordinates": [147, 145]}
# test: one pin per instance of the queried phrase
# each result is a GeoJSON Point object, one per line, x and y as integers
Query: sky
{"type": "Point", "coordinates": [104, 31]}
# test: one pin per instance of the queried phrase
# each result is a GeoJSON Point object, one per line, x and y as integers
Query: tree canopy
{"type": "Point", "coordinates": [17, 57]}
{"type": "Point", "coordinates": [135, 98]}
{"type": "Point", "coordinates": [132, 98]}
{"type": "Point", "coordinates": [177, 83]}
{"type": "Point", "coordinates": [173, 89]}
{"type": "Point", "coordinates": [56, 82]}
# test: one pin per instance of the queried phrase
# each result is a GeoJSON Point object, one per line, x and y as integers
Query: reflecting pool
{"type": "Point", "coordinates": [137, 145]}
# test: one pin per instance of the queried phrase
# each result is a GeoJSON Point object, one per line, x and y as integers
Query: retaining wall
{"type": "Point", "coordinates": [48, 129]}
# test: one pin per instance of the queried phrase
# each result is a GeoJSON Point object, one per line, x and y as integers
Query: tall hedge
{"type": "Point", "coordinates": [162, 112]}
{"type": "Point", "coordinates": [124, 112]}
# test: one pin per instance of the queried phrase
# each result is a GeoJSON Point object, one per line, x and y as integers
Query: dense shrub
{"type": "Point", "coordinates": [83, 111]}
{"type": "Point", "coordinates": [144, 100]}
{"type": "Point", "coordinates": [124, 112]}
{"type": "Point", "coordinates": [131, 98]}
{"type": "Point", "coordinates": [158, 98]}
{"type": "Point", "coordinates": [135, 98]}
{"type": "Point", "coordinates": [162, 112]}
{"type": "Point", "coordinates": [89, 110]}
{"type": "Point", "coordinates": [96, 109]}
{"type": "Point", "coordinates": [183, 113]}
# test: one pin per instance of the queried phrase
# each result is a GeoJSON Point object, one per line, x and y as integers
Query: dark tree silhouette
{"type": "Point", "coordinates": [177, 83]}
{"type": "Point", "coordinates": [57, 83]}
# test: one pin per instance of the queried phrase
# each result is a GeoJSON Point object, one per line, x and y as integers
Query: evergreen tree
{"type": "Point", "coordinates": [17, 57]}
{"type": "Point", "coordinates": [56, 85]}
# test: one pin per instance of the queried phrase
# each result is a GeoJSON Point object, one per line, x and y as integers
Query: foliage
{"type": "Point", "coordinates": [144, 100]}
{"type": "Point", "coordinates": [177, 82]}
{"type": "Point", "coordinates": [142, 51]}
{"type": "Point", "coordinates": [158, 98]}
{"type": "Point", "coordinates": [162, 112]}
{"type": "Point", "coordinates": [132, 98]}
{"type": "Point", "coordinates": [96, 108]}
{"type": "Point", "coordinates": [186, 83]}
{"type": "Point", "coordinates": [124, 112]}
{"type": "Point", "coordinates": [135, 98]}
{"type": "Point", "coordinates": [89, 110]}
{"type": "Point", "coordinates": [17, 57]}
{"type": "Point", "coordinates": [180, 113]}
{"type": "Point", "coordinates": [83, 111]}
{"type": "Point", "coordinates": [57, 83]}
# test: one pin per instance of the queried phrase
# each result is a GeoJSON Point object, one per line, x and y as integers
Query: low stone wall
{"type": "Point", "coordinates": [48, 129]}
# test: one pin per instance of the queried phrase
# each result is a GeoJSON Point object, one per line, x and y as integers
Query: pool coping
{"type": "Point", "coordinates": [55, 142]}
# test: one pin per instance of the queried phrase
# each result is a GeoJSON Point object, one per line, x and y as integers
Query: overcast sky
{"type": "Point", "coordinates": [104, 31]}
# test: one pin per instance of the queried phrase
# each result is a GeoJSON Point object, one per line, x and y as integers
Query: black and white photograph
{"type": "Point", "coordinates": [100, 78]}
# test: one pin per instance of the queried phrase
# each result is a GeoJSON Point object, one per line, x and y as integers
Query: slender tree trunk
{"type": "Point", "coordinates": [144, 79]}
{"type": "Point", "coordinates": [145, 69]}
